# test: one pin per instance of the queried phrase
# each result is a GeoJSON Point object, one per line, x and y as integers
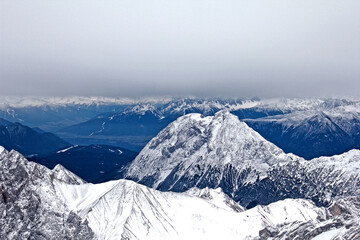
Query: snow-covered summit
{"type": "Point", "coordinates": [194, 143]}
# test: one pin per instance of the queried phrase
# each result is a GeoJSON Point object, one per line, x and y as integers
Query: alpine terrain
{"type": "Point", "coordinates": [38, 203]}
{"type": "Point", "coordinates": [221, 151]}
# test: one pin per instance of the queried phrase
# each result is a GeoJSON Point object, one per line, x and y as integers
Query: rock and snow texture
{"type": "Point", "coordinates": [221, 151]}
{"type": "Point", "coordinates": [29, 205]}
{"type": "Point", "coordinates": [123, 209]}
{"type": "Point", "coordinates": [194, 144]}
{"type": "Point", "coordinates": [38, 203]}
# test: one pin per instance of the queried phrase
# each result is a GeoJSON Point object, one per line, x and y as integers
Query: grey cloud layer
{"type": "Point", "coordinates": [201, 47]}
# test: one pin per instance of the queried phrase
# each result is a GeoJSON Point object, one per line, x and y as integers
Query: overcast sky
{"type": "Point", "coordinates": [266, 48]}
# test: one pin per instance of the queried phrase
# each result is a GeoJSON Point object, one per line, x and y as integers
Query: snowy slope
{"type": "Point", "coordinates": [38, 203]}
{"type": "Point", "coordinates": [123, 209]}
{"type": "Point", "coordinates": [221, 151]}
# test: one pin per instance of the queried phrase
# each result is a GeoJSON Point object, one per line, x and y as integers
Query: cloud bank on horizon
{"type": "Point", "coordinates": [204, 47]}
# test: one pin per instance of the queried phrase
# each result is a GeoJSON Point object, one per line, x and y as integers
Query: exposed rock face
{"type": "Point", "coordinates": [221, 151]}
{"type": "Point", "coordinates": [29, 205]}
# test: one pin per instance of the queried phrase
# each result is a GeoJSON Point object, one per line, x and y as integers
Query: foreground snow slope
{"type": "Point", "coordinates": [124, 209]}
{"type": "Point", "coordinates": [38, 203]}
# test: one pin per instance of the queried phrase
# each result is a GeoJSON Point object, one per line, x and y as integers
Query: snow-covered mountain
{"type": "Point", "coordinates": [136, 125]}
{"type": "Point", "coordinates": [38, 203]}
{"type": "Point", "coordinates": [193, 144]}
{"type": "Point", "coordinates": [221, 151]}
{"type": "Point", "coordinates": [131, 123]}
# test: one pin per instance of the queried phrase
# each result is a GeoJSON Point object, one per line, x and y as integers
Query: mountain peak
{"type": "Point", "coordinates": [64, 175]}
{"type": "Point", "coordinates": [224, 114]}
{"type": "Point", "coordinates": [194, 143]}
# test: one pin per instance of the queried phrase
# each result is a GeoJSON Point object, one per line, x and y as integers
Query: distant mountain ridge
{"type": "Point", "coordinates": [54, 113]}
{"type": "Point", "coordinates": [93, 163]}
{"type": "Point", "coordinates": [23, 102]}
{"type": "Point", "coordinates": [27, 140]}
{"type": "Point", "coordinates": [131, 123]}
{"type": "Point", "coordinates": [136, 125]}
{"type": "Point", "coordinates": [311, 133]}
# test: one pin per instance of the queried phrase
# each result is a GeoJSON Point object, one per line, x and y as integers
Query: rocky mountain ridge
{"type": "Point", "coordinates": [38, 203]}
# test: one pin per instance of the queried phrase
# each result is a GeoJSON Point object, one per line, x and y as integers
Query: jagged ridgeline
{"type": "Point", "coordinates": [222, 151]}
{"type": "Point", "coordinates": [38, 203]}
{"type": "Point", "coordinates": [29, 204]}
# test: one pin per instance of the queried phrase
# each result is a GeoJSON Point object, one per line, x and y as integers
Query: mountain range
{"type": "Point", "coordinates": [311, 133]}
{"type": "Point", "coordinates": [306, 127]}
{"type": "Point", "coordinates": [131, 123]}
{"type": "Point", "coordinates": [206, 175]}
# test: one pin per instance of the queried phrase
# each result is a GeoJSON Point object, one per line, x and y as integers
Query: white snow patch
{"type": "Point", "coordinates": [66, 149]}
{"type": "Point", "coordinates": [328, 235]}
